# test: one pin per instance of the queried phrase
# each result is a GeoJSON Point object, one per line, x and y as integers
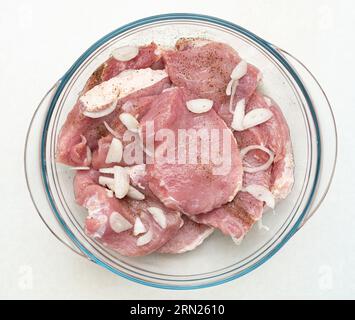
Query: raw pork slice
{"type": "Point", "coordinates": [147, 56]}
{"type": "Point", "coordinates": [231, 219]}
{"type": "Point", "coordinates": [192, 188]}
{"type": "Point", "coordinates": [103, 207]}
{"type": "Point", "coordinates": [188, 238]}
{"type": "Point", "coordinates": [205, 69]}
{"type": "Point", "coordinates": [77, 126]}
{"type": "Point", "coordinates": [274, 135]}
{"type": "Point", "coordinates": [237, 218]}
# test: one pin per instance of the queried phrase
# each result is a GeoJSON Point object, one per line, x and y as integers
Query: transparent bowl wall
{"type": "Point", "coordinates": [218, 260]}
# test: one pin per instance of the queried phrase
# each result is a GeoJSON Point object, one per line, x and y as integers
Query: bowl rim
{"type": "Point", "coordinates": [159, 18]}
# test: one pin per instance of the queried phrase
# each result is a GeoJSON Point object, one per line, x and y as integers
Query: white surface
{"type": "Point", "coordinates": [40, 40]}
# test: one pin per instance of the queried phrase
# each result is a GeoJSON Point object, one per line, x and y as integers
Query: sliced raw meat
{"type": "Point", "coordinates": [245, 209]}
{"type": "Point", "coordinates": [189, 187]}
{"type": "Point", "coordinates": [236, 218]}
{"type": "Point", "coordinates": [245, 89]}
{"type": "Point", "coordinates": [205, 70]}
{"type": "Point", "coordinates": [254, 158]}
{"type": "Point", "coordinates": [146, 57]}
{"type": "Point", "coordinates": [175, 172]}
{"type": "Point", "coordinates": [103, 208]}
{"type": "Point", "coordinates": [188, 238]}
{"type": "Point", "coordinates": [231, 219]}
{"type": "Point", "coordinates": [78, 125]}
{"type": "Point", "coordinates": [273, 134]}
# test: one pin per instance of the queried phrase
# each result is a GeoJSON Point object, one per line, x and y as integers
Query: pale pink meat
{"type": "Point", "coordinates": [146, 57]}
{"type": "Point", "coordinates": [274, 134]}
{"type": "Point", "coordinates": [205, 70]}
{"type": "Point", "coordinates": [101, 205]}
{"type": "Point", "coordinates": [282, 176]}
{"type": "Point", "coordinates": [236, 218]}
{"type": "Point", "coordinates": [231, 219]}
{"type": "Point", "coordinates": [190, 188]}
{"type": "Point", "coordinates": [209, 197]}
{"type": "Point", "coordinates": [81, 153]}
{"type": "Point", "coordinates": [189, 237]}
{"type": "Point", "coordinates": [245, 89]}
{"type": "Point", "coordinates": [77, 125]}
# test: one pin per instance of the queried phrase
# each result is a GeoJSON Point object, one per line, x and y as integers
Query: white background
{"type": "Point", "coordinates": [41, 39]}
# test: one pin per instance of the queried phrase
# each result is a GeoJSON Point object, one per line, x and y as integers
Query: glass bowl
{"type": "Point", "coordinates": [218, 260]}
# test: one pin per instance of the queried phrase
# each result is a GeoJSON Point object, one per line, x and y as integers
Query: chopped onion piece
{"type": "Point", "coordinates": [182, 223]}
{"type": "Point", "coordinates": [107, 182]}
{"type": "Point", "coordinates": [109, 129]}
{"type": "Point", "coordinates": [139, 227]}
{"type": "Point", "coordinates": [158, 216]}
{"type": "Point", "coordinates": [169, 89]}
{"type": "Point", "coordinates": [79, 168]}
{"type": "Point", "coordinates": [121, 179]}
{"type": "Point", "coordinates": [118, 223]}
{"type": "Point", "coordinates": [145, 239]}
{"type": "Point", "coordinates": [107, 170]}
{"type": "Point", "coordinates": [268, 101]}
{"type": "Point", "coordinates": [115, 152]}
{"type": "Point", "coordinates": [135, 194]}
{"type": "Point", "coordinates": [240, 70]}
{"type": "Point", "coordinates": [101, 113]}
{"type": "Point", "coordinates": [256, 117]}
{"type": "Point", "coordinates": [199, 105]}
{"type": "Point", "coordinates": [234, 90]}
{"type": "Point", "coordinates": [109, 193]}
{"type": "Point", "coordinates": [237, 241]}
{"type": "Point", "coordinates": [262, 194]}
{"type": "Point", "coordinates": [125, 53]}
{"type": "Point", "coordinates": [238, 116]}
{"type": "Point", "coordinates": [101, 99]}
{"type": "Point", "coordinates": [263, 167]}
{"type": "Point", "coordinates": [130, 122]}
{"type": "Point", "coordinates": [229, 87]}
{"type": "Point", "coordinates": [88, 155]}
{"type": "Point", "coordinates": [261, 226]}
